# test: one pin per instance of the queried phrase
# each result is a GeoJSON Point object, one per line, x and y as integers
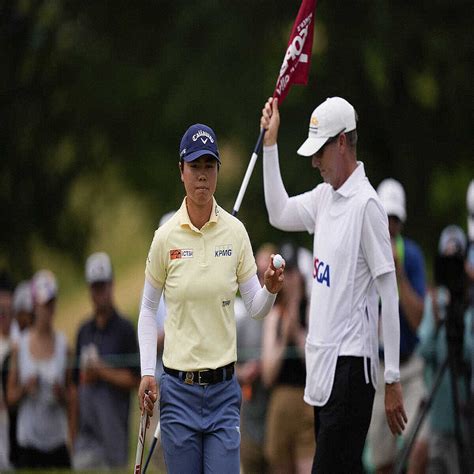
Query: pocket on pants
{"type": "Point", "coordinates": [162, 390]}
{"type": "Point", "coordinates": [321, 360]}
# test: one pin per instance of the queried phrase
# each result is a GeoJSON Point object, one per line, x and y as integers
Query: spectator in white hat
{"type": "Point", "coordinates": [23, 305]}
{"type": "Point", "coordinates": [23, 317]}
{"type": "Point", "coordinates": [410, 273]}
{"type": "Point", "coordinates": [352, 262]}
{"type": "Point", "coordinates": [38, 382]}
{"type": "Point", "coordinates": [106, 352]}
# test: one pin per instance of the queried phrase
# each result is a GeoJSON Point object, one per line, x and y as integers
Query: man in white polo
{"type": "Point", "coordinates": [352, 263]}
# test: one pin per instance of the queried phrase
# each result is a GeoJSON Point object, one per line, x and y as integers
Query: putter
{"type": "Point", "coordinates": [141, 441]}
{"type": "Point", "coordinates": [156, 440]}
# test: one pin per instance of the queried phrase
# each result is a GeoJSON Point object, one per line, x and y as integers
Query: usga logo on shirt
{"type": "Point", "coordinates": [321, 272]}
{"type": "Point", "coordinates": [181, 253]}
{"type": "Point", "coordinates": [223, 250]}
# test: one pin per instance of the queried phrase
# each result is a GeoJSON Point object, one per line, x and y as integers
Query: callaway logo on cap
{"type": "Point", "coordinates": [199, 140]}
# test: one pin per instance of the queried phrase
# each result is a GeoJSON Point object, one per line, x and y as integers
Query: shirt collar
{"type": "Point", "coordinates": [113, 316]}
{"type": "Point", "coordinates": [352, 182]}
{"type": "Point", "coordinates": [184, 219]}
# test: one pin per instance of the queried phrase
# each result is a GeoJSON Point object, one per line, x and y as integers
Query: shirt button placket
{"type": "Point", "coordinates": [202, 251]}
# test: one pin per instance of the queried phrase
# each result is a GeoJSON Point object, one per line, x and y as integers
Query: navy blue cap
{"type": "Point", "coordinates": [199, 140]}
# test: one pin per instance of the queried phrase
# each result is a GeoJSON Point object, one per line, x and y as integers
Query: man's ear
{"type": "Point", "coordinates": [342, 139]}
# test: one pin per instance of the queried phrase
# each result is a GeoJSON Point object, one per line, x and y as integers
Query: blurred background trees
{"type": "Point", "coordinates": [95, 97]}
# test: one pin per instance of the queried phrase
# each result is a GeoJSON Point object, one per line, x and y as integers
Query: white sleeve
{"type": "Point", "coordinates": [148, 328]}
{"type": "Point", "coordinates": [386, 285]}
{"type": "Point", "coordinates": [282, 210]}
{"type": "Point", "coordinates": [257, 299]}
{"type": "Point", "coordinates": [161, 315]}
{"type": "Point", "coordinates": [375, 240]}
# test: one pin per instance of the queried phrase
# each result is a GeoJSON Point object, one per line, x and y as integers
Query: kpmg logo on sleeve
{"type": "Point", "coordinates": [322, 272]}
{"type": "Point", "coordinates": [223, 251]}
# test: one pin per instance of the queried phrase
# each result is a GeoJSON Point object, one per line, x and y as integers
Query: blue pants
{"type": "Point", "coordinates": [200, 426]}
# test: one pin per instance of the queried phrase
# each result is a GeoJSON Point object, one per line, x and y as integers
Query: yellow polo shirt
{"type": "Point", "coordinates": [199, 271]}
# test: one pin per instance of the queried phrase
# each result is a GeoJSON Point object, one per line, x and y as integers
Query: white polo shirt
{"type": "Point", "coordinates": [199, 271]}
{"type": "Point", "coordinates": [351, 248]}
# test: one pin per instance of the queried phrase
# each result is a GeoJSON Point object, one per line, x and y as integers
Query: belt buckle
{"type": "Point", "coordinates": [189, 378]}
{"type": "Point", "coordinates": [199, 377]}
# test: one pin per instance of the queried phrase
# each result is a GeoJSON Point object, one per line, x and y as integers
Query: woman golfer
{"type": "Point", "coordinates": [198, 260]}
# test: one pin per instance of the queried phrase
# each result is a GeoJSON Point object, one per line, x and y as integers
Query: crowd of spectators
{"type": "Point", "coordinates": [59, 407]}
{"type": "Point", "coordinates": [68, 407]}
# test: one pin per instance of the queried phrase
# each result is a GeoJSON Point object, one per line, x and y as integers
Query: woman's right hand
{"type": "Point", "coordinates": [273, 278]}
{"type": "Point", "coordinates": [147, 400]}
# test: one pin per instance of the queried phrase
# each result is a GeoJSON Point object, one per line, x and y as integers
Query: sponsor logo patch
{"type": "Point", "coordinates": [223, 251]}
{"type": "Point", "coordinates": [181, 253]}
{"type": "Point", "coordinates": [322, 272]}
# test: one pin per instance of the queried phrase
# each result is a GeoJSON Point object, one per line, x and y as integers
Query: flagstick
{"type": "Point", "coordinates": [294, 70]}
{"type": "Point", "coordinates": [248, 173]}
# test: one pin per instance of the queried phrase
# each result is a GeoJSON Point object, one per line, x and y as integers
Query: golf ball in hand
{"type": "Point", "coordinates": [278, 261]}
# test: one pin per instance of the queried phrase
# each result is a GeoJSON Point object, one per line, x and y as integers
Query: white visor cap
{"type": "Point", "coordinates": [333, 116]}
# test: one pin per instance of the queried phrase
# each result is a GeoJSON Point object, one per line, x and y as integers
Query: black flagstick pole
{"type": "Point", "coordinates": [248, 173]}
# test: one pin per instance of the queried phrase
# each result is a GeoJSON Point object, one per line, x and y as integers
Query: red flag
{"type": "Point", "coordinates": [295, 67]}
